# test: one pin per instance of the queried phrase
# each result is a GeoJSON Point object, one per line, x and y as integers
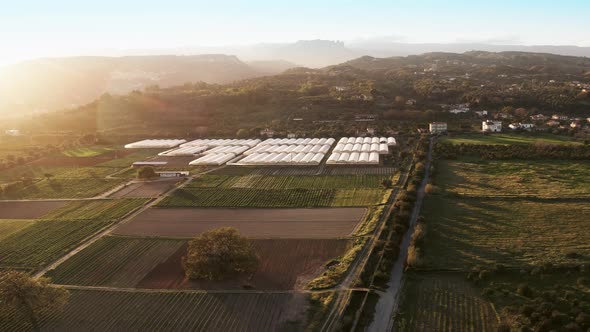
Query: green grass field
{"type": "Point", "coordinates": [468, 232]}
{"type": "Point", "coordinates": [508, 139]}
{"type": "Point", "coordinates": [115, 262]}
{"type": "Point", "coordinates": [536, 178]}
{"type": "Point", "coordinates": [517, 213]}
{"type": "Point", "coordinates": [82, 152]}
{"type": "Point", "coordinates": [443, 302]}
{"type": "Point", "coordinates": [43, 241]}
{"type": "Point", "coordinates": [514, 221]}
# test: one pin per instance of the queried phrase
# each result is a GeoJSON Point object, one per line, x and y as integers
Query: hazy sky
{"type": "Point", "coordinates": [30, 29]}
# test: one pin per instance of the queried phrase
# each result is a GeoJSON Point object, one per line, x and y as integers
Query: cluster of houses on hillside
{"type": "Point", "coordinates": [495, 126]}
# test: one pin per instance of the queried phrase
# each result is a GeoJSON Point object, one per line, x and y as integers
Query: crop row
{"type": "Point", "coordinates": [289, 182]}
{"type": "Point", "coordinates": [91, 310]}
{"type": "Point", "coordinates": [440, 303]}
{"type": "Point", "coordinates": [46, 240]}
{"type": "Point", "coordinates": [115, 261]}
{"type": "Point", "coordinates": [245, 197]}
{"type": "Point", "coordinates": [96, 209]}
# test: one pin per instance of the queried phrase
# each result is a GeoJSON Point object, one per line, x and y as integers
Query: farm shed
{"type": "Point", "coordinates": [150, 163]}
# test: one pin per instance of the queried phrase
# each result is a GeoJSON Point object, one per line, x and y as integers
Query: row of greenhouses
{"type": "Point", "coordinates": [368, 140]}
{"type": "Point", "coordinates": [223, 142]}
{"type": "Point", "coordinates": [381, 148]}
{"type": "Point", "coordinates": [298, 141]}
{"type": "Point", "coordinates": [353, 158]}
{"type": "Point", "coordinates": [319, 148]}
{"type": "Point", "coordinates": [184, 152]}
{"type": "Point", "coordinates": [283, 158]}
{"type": "Point", "coordinates": [214, 159]}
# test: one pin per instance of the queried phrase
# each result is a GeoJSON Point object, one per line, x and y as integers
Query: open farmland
{"type": "Point", "coordinates": [85, 151]}
{"type": "Point", "coordinates": [279, 191]}
{"type": "Point", "coordinates": [514, 232]}
{"type": "Point", "coordinates": [157, 263]}
{"type": "Point", "coordinates": [64, 182]}
{"type": "Point", "coordinates": [538, 178]}
{"type": "Point", "coordinates": [508, 139]}
{"type": "Point", "coordinates": [9, 226]}
{"type": "Point", "coordinates": [443, 302]}
{"type": "Point", "coordinates": [287, 182]}
{"type": "Point", "coordinates": [284, 264]}
{"type": "Point", "coordinates": [115, 262]}
{"type": "Point", "coordinates": [27, 210]}
{"type": "Point", "coordinates": [93, 310]}
{"type": "Point", "coordinates": [246, 197]}
{"type": "Point", "coordinates": [59, 188]}
{"type": "Point", "coordinates": [257, 223]}
{"type": "Point", "coordinates": [146, 189]}
{"type": "Point", "coordinates": [47, 239]}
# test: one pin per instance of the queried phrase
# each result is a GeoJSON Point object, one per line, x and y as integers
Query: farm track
{"type": "Point", "coordinates": [215, 291]}
{"type": "Point", "coordinates": [390, 300]}
{"type": "Point", "coordinates": [343, 297]}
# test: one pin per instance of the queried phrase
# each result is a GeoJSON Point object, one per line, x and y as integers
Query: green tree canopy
{"type": "Point", "coordinates": [146, 173]}
{"type": "Point", "coordinates": [220, 254]}
{"type": "Point", "coordinates": [29, 297]}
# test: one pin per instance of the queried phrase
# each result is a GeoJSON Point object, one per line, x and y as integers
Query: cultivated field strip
{"type": "Point", "coordinates": [284, 263]}
{"type": "Point", "coordinates": [444, 303]}
{"type": "Point", "coordinates": [44, 240]}
{"type": "Point", "coordinates": [64, 188]}
{"type": "Point", "coordinates": [287, 182]}
{"type": "Point", "coordinates": [10, 226]}
{"type": "Point", "coordinates": [94, 310]}
{"type": "Point", "coordinates": [145, 189]}
{"type": "Point", "coordinates": [370, 171]}
{"type": "Point", "coordinates": [247, 197]}
{"type": "Point", "coordinates": [114, 262]}
{"type": "Point", "coordinates": [27, 210]}
{"type": "Point", "coordinates": [256, 223]}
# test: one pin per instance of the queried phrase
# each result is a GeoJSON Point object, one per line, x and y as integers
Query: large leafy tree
{"type": "Point", "coordinates": [220, 254]}
{"type": "Point", "coordinates": [28, 297]}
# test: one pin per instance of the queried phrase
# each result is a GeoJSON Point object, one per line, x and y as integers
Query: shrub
{"type": "Point", "coordinates": [524, 290]}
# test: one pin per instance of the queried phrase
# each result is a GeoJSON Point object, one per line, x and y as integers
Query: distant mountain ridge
{"type": "Point", "coordinates": [53, 83]}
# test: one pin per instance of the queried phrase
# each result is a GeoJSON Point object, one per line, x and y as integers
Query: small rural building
{"type": "Point", "coordinates": [172, 174]}
{"type": "Point", "coordinates": [150, 163]}
{"type": "Point", "coordinates": [437, 127]}
{"type": "Point", "coordinates": [489, 126]}
{"type": "Point", "coordinates": [267, 132]}
{"type": "Point", "coordinates": [539, 117]}
{"type": "Point", "coordinates": [560, 117]}
{"type": "Point", "coordinates": [525, 126]}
